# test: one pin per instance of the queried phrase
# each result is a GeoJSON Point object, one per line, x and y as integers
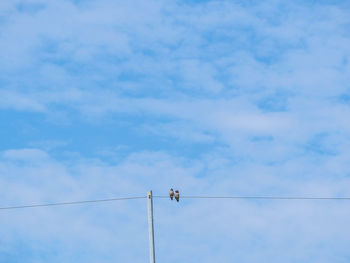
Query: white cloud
{"type": "Point", "coordinates": [25, 154]}
{"type": "Point", "coordinates": [256, 84]}
{"type": "Point", "coordinates": [289, 227]}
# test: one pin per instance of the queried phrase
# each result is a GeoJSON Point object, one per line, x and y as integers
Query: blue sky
{"type": "Point", "coordinates": [107, 98]}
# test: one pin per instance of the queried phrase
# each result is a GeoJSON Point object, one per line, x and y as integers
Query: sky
{"type": "Point", "coordinates": [103, 99]}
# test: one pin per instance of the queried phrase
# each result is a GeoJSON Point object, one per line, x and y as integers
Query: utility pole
{"type": "Point", "coordinates": [151, 227]}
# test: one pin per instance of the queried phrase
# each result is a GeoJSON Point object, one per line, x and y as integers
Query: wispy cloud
{"type": "Point", "coordinates": [104, 98]}
{"type": "Point", "coordinates": [276, 225]}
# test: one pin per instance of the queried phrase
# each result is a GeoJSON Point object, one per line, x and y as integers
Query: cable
{"type": "Point", "coordinates": [182, 197]}
{"type": "Point", "coordinates": [73, 203]}
{"type": "Point", "coordinates": [260, 197]}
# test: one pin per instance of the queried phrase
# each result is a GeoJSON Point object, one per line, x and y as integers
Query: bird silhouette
{"type": "Point", "coordinates": [177, 195]}
{"type": "Point", "coordinates": [171, 193]}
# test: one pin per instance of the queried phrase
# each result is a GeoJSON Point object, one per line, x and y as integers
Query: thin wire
{"type": "Point", "coordinates": [183, 197]}
{"type": "Point", "coordinates": [259, 197]}
{"type": "Point", "coordinates": [73, 203]}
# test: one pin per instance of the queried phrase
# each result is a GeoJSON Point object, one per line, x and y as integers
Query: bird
{"type": "Point", "coordinates": [177, 195]}
{"type": "Point", "coordinates": [171, 193]}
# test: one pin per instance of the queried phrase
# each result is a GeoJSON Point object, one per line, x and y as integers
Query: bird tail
{"type": "Point", "coordinates": [171, 197]}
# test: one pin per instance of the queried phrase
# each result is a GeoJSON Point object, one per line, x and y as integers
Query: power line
{"type": "Point", "coordinates": [72, 203]}
{"type": "Point", "coordinates": [182, 197]}
{"type": "Point", "coordinates": [259, 197]}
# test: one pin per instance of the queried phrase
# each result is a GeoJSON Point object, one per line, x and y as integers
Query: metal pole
{"type": "Point", "coordinates": [151, 227]}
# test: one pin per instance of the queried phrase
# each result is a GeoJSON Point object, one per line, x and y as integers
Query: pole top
{"type": "Point", "coordinates": [149, 194]}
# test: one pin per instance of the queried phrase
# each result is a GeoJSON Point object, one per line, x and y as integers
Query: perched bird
{"type": "Point", "coordinates": [171, 193]}
{"type": "Point", "coordinates": [177, 195]}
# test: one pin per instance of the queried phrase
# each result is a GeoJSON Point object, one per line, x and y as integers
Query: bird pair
{"type": "Point", "coordinates": [176, 194]}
